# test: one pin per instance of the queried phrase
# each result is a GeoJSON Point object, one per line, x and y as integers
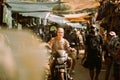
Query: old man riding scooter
{"type": "Point", "coordinates": [60, 51]}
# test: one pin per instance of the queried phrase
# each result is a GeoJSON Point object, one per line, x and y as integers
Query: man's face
{"type": "Point", "coordinates": [60, 32]}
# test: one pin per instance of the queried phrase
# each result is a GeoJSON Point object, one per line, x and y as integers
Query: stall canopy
{"type": "Point", "coordinates": [57, 19]}
{"type": "Point", "coordinates": [75, 25]}
{"type": "Point", "coordinates": [26, 9]}
{"type": "Point", "coordinates": [81, 17]}
{"type": "Point", "coordinates": [30, 6]}
{"type": "Point", "coordinates": [34, 9]}
{"type": "Point", "coordinates": [35, 14]}
{"type": "Point", "coordinates": [62, 21]}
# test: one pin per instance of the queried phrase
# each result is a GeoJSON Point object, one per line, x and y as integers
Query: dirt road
{"type": "Point", "coordinates": [22, 56]}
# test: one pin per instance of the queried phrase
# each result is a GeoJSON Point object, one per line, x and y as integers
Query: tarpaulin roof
{"type": "Point", "coordinates": [57, 19]}
{"type": "Point", "coordinates": [33, 9]}
{"type": "Point", "coordinates": [77, 5]}
{"type": "Point", "coordinates": [30, 6]}
{"type": "Point", "coordinates": [35, 14]}
{"type": "Point", "coordinates": [75, 25]}
{"type": "Point", "coordinates": [77, 17]}
{"type": "Point", "coordinates": [61, 21]}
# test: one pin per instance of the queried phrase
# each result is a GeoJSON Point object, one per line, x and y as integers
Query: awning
{"type": "Point", "coordinates": [78, 17]}
{"type": "Point", "coordinates": [57, 19]}
{"type": "Point", "coordinates": [32, 9]}
{"type": "Point", "coordinates": [35, 14]}
{"type": "Point", "coordinates": [61, 21]}
{"type": "Point", "coordinates": [75, 25]}
{"type": "Point", "coordinates": [25, 7]}
{"type": "Point", "coordinates": [77, 5]}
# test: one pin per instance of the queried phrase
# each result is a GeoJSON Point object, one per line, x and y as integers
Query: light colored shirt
{"type": "Point", "coordinates": [56, 44]}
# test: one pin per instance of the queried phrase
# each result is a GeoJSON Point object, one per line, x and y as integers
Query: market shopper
{"type": "Point", "coordinates": [80, 43]}
{"type": "Point", "coordinates": [107, 60]}
{"type": "Point", "coordinates": [93, 52]}
{"type": "Point", "coordinates": [74, 43]}
{"type": "Point", "coordinates": [113, 52]}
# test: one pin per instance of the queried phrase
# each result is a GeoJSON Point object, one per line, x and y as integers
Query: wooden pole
{"type": "Point", "coordinates": [1, 11]}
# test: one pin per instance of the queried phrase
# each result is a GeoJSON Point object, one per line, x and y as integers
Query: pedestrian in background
{"type": "Point", "coordinates": [73, 40]}
{"type": "Point", "coordinates": [113, 49]}
{"type": "Point", "coordinates": [80, 43]}
{"type": "Point", "coordinates": [107, 60]}
{"type": "Point", "coordinates": [93, 52]}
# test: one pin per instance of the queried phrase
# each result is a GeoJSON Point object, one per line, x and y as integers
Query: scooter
{"type": "Point", "coordinates": [60, 71]}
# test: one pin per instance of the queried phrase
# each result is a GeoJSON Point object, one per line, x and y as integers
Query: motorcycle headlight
{"type": "Point", "coordinates": [61, 53]}
{"type": "Point", "coordinates": [61, 60]}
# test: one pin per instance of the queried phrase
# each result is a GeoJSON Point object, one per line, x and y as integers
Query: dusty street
{"type": "Point", "coordinates": [22, 56]}
{"type": "Point", "coordinates": [82, 73]}
{"type": "Point", "coordinates": [27, 57]}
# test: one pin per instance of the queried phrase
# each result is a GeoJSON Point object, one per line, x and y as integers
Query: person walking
{"type": "Point", "coordinates": [80, 43]}
{"type": "Point", "coordinates": [74, 43]}
{"type": "Point", "coordinates": [93, 52]}
{"type": "Point", "coordinates": [113, 48]}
